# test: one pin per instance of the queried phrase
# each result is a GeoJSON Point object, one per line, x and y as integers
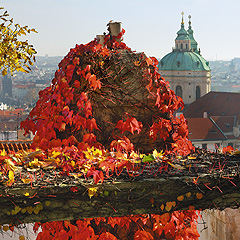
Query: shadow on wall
{"type": "Point", "coordinates": [220, 225]}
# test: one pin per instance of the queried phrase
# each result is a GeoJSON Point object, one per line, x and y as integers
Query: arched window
{"type": "Point", "coordinates": [179, 91]}
{"type": "Point", "coordinates": [198, 92]}
{"type": "Point", "coordinates": [186, 46]}
{"type": "Point", "coordinates": [181, 46]}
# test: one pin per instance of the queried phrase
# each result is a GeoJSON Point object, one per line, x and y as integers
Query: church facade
{"type": "Point", "coordinates": [187, 72]}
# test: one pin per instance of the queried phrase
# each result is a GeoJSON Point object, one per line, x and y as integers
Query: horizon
{"type": "Point", "coordinates": [150, 27]}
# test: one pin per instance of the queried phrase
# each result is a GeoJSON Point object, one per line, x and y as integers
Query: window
{"type": "Point", "coordinates": [179, 91]}
{"type": "Point", "coordinates": [181, 46]}
{"type": "Point", "coordinates": [204, 146]}
{"type": "Point", "coordinates": [198, 92]}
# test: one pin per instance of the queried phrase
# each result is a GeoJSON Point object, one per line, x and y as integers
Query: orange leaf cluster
{"type": "Point", "coordinates": [178, 225]}
{"type": "Point", "coordinates": [64, 114]}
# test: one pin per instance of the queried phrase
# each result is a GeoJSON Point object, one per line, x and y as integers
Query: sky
{"type": "Point", "coordinates": [150, 25]}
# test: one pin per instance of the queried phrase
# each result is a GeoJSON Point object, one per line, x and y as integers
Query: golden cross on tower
{"type": "Point", "coordinates": [189, 17]}
{"type": "Point", "coordinates": [182, 17]}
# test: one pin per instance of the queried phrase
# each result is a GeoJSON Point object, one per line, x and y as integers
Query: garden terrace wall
{"type": "Point", "coordinates": [66, 197]}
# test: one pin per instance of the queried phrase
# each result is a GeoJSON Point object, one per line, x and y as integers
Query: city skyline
{"type": "Point", "coordinates": [151, 26]}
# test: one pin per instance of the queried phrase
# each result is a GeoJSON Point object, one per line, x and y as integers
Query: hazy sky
{"type": "Point", "coordinates": [150, 25]}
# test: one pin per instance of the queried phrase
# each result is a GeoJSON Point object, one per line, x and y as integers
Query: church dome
{"type": "Point", "coordinates": [183, 60]}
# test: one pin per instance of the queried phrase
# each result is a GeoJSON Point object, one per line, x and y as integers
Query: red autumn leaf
{"type": "Point", "coordinates": [91, 124]}
{"type": "Point", "coordinates": [62, 128]}
{"type": "Point", "coordinates": [106, 165]}
{"type": "Point", "coordinates": [228, 149]}
{"type": "Point", "coordinates": [77, 84]}
{"type": "Point", "coordinates": [130, 125]}
{"type": "Point", "coordinates": [94, 83]}
{"type": "Point", "coordinates": [75, 61]}
{"type": "Point", "coordinates": [170, 228]}
{"type": "Point", "coordinates": [129, 165]}
{"type": "Point", "coordinates": [63, 234]}
{"type": "Point", "coordinates": [192, 233]}
{"type": "Point", "coordinates": [158, 228]}
{"type": "Point", "coordinates": [55, 143]}
{"type": "Point", "coordinates": [87, 68]}
{"type": "Point", "coordinates": [74, 189]}
{"type": "Point", "coordinates": [89, 138]}
{"type": "Point", "coordinates": [69, 71]}
{"type": "Point", "coordinates": [143, 235]}
{"type": "Point", "coordinates": [149, 61]}
{"type": "Point", "coordinates": [88, 109]}
{"type": "Point", "coordinates": [97, 175]}
{"type": "Point", "coordinates": [80, 122]}
{"type": "Point", "coordinates": [65, 111]}
{"type": "Point", "coordinates": [123, 144]}
{"type": "Point", "coordinates": [107, 236]}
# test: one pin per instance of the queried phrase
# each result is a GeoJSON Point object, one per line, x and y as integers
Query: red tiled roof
{"type": "Point", "coordinates": [215, 104]}
{"type": "Point", "coordinates": [15, 145]}
{"type": "Point", "coordinates": [203, 129]}
{"type": "Point", "coordinates": [226, 123]}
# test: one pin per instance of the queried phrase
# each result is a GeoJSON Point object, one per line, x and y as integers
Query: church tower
{"type": "Point", "coordinates": [187, 72]}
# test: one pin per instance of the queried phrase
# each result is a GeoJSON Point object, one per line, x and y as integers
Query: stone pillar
{"type": "Point", "coordinates": [115, 28]}
{"type": "Point", "coordinates": [100, 39]}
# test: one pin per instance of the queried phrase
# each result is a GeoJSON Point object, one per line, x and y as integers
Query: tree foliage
{"type": "Point", "coordinates": [112, 96]}
{"type": "Point", "coordinates": [15, 54]}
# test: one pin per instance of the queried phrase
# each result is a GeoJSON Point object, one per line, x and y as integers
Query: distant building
{"type": "Point", "coordinates": [7, 85]}
{"type": "Point", "coordinates": [20, 91]}
{"type": "Point", "coordinates": [185, 69]}
{"type": "Point", "coordinates": [213, 120]}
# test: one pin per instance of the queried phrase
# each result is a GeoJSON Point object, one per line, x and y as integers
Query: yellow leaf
{"type": "Point", "coordinates": [188, 194]}
{"type": "Point", "coordinates": [162, 207]}
{"type": "Point", "coordinates": [55, 154]}
{"type": "Point", "coordinates": [10, 177]}
{"type": "Point", "coordinates": [3, 153]}
{"type": "Point", "coordinates": [180, 198]}
{"type": "Point", "coordinates": [4, 72]}
{"type": "Point", "coordinates": [30, 209]}
{"type": "Point", "coordinates": [92, 192]}
{"type": "Point", "coordinates": [26, 180]}
{"type": "Point", "coordinates": [47, 203]}
{"type": "Point", "coordinates": [21, 238]}
{"type": "Point", "coordinates": [156, 154]}
{"type": "Point", "coordinates": [23, 210]}
{"type": "Point", "coordinates": [178, 166]}
{"type": "Point", "coordinates": [199, 195]}
{"type": "Point", "coordinates": [191, 208]}
{"type": "Point", "coordinates": [168, 206]}
{"type": "Point", "coordinates": [26, 194]}
{"type": "Point", "coordinates": [5, 228]}
{"type": "Point", "coordinates": [17, 209]}
{"type": "Point", "coordinates": [72, 163]}
{"type": "Point", "coordinates": [36, 210]}
{"type": "Point", "coordinates": [40, 206]}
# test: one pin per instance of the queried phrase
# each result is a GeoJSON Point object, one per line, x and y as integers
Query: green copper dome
{"type": "Point", "coordinates": [194, 44]}
{"type": "Point", "coordinates": [182, 34]}
{"type": "Point", "coordinates": [185, 60]}
{"type": "Point", "coordinates": [184, 57]}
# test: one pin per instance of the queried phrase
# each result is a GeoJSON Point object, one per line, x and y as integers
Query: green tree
{"type": "Point", "coordinates": [15, 55]}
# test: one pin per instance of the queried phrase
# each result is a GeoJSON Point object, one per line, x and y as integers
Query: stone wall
{"type": "Point", "coordinates": [220, 225]}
